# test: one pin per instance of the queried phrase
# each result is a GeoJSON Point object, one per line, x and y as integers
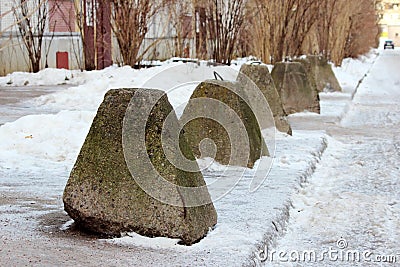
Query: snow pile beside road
{"type": "Point", "coordinates": [58, 137]}
{"type": "Point", "coordinates": [43, 77]}
{"type": "Point", "coordinates": [386, 110]}
{"type": "Point", "coordinates": [353, 70]}
{"type": "Point", "coordinates": [43, 137]}
{"type": "Point", "coordinates": [178, 79]}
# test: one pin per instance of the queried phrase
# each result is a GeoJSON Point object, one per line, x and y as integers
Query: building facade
{"type": "Point", "coordinates": [79, 31]}
{"type": "Point", "coordinates": [389, 19]}
{"type": "Point", "coordinates": [61, 37]}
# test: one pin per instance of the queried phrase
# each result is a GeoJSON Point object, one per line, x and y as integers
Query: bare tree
{"type": "Point", "coordinates": [328, 11]}
{"type": "Point", "coordinates": [246, 42]}
{"type": "Point", "coordinates": [333, 28]}
{"type": "Point", "coordinates": [364, 30]}
{"type": "Point", "coordinates": [180, 18]}
{"type": "Point", "coordinates": [304, 13]}
{"type": "Point", "coordinates": [225, 20]}
{"type": "Point", "coordinates": [79, 19]}
{"type": "Point", "coordinates": [346, 28]}
{"type": "Point", "coordinates": [31, 17]}
{"type": "Point", "coordinates": [258, 30]}
{"type": "Point", "coordinates": [91, 19]}
{"type": "Point", "coordinates": [131, 19]}
{"type": "Point", "coordinates": [280, 27]}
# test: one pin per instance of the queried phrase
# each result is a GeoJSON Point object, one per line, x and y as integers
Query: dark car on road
{"type": "Point", "coordinates": [388, 44]}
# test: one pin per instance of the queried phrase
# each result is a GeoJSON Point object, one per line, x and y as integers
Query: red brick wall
{"type": "Point", "coordinates": [61, 16]}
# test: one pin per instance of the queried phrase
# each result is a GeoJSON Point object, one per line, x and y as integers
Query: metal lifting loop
{"type": "Point", "coordinates": [217, 76]}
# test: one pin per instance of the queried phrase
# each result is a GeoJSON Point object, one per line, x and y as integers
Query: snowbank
{"type": "Point", "coordinates": [43, 137]}
{"type": "Point", "coordinates": [352, 71]}
{"type": "Point", "coordinates": [44, 77]}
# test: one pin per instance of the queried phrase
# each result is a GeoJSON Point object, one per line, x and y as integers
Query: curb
{"type": "Point", "coordinates": [279, 225]}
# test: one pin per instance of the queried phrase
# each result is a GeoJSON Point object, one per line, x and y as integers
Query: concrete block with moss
{"type": "Point", "coordinates": [103, 194]}
{"type": "Point", "coordinates": [321, 73]}
{"type": "Point", "coordinates": [294, 87]}
{"type": "Point", "coordinates": [258, 77]}
{"type": "Point", "coordinates": [218, 123]}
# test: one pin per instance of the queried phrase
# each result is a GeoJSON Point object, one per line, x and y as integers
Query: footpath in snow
{"type": "Point", "coordinates": [349, 212]}
{"type": "Point", "coordinates": [38, 152]}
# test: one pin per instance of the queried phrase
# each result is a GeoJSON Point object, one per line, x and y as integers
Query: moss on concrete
{"type": "Point", "coordinates": [294, 87]}
{"type": "Point", "coordinates": [321, 72]}
{"type": "Point", "coordinates": [102, 196]}
{"type": "Point", "coordinates": [204, 128]}
{"type": "Point", "coordinates": [261, 77]}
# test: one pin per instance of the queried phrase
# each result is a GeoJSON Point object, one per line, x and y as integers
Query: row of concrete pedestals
{"type": "Point", "coordinates": [137, 169]}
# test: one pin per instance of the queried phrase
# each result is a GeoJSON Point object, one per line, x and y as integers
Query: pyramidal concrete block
{"type": "Point", "coordinates": [321, 73]}
{"type": "Point", "coordinates": [258, 77]}
{"type": "Point", "coordinates": [296, 90]}
{"type": "Point", "coordinates": [219, 123]}
{"type": "Point", "coordinates": [124, 181]}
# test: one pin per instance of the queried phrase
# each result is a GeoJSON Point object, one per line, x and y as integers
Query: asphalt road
{"type": "Point", "coordinates": [14, 101]}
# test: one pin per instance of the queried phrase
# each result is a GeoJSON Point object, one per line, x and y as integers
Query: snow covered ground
{"type": "Point", "coordinates": [38, 152]}
{"type": "Point", "coordinates": [349, 212]}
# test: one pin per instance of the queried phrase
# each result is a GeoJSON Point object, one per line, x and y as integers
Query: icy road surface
{"type": "Point", "coordinates": [349, 213]}
{"type": "Point", "coordinates": [13, 100]}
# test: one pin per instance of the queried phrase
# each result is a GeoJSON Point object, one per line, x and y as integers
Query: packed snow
{"type": "Point", "coordinates": [38, 152]}
{"type": "Point", "coordinates": [349, 213]}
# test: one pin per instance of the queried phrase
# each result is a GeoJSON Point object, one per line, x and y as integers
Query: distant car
{"type": "Point", "coordinates": [388, 44]}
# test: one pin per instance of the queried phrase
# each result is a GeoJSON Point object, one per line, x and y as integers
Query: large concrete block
{"type": "Point", "coordinates": [124, 180]}
{"type": "Point", "coordinates": [219, 123]}
{"type": "Point", "coordinates": [294, 87]}
{"type": "Point", "coordinates": [321, 72]}
{"type": "Point", "coordinates": [258, 77]}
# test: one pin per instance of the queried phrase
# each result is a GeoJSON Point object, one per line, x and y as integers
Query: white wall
{"type": "Point", "coordinates": [13, 57]}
